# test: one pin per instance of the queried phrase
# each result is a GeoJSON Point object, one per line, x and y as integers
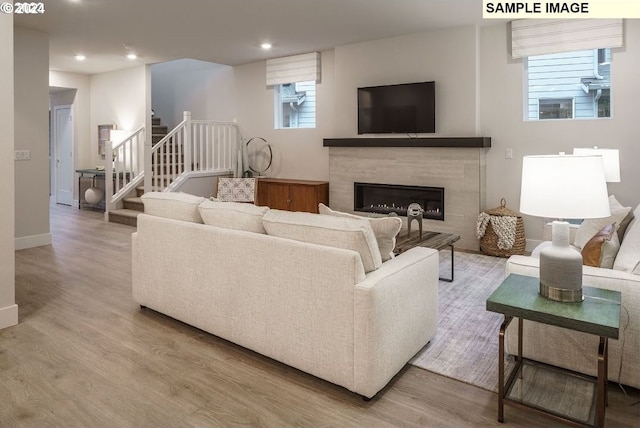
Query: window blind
{"type": "Point", "coordinates": [546, 36]}
{"type": "Point", "coordinates": [292, 69]}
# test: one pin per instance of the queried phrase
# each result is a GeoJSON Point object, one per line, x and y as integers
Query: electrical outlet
{"type": "Point", "coordinates": [20, 155]}
{"type": "Point", "coordinates": [508, 154]}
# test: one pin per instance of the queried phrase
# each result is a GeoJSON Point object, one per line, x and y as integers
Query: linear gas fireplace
{"type": "Point", "coordinates": [394, 198]}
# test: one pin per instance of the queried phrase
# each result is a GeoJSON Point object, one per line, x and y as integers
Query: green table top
{"type": "Point", "coordinates": [598, 314]}
{"type": "Point", "coordinates": [91, 171]}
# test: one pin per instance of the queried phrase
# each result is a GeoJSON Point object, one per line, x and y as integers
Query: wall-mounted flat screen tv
{"type": "Point", "coordinates": [404, 108]}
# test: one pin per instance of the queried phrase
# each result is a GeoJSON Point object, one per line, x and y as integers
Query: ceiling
{"type": "Point", "coordinates": [227, 31]}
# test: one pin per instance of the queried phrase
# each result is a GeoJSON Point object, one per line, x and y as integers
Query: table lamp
{"type": "Point", "coordinates": [563, 187]}
{"type": "Point", "coordinates": [610, 159]}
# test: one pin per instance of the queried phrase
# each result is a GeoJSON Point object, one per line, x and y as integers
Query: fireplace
{"type": "Point", "coordinates": [395, 198]}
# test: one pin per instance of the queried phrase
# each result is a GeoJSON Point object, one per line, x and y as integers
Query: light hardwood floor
{"type": "Point", "coordinates": [84, 354]}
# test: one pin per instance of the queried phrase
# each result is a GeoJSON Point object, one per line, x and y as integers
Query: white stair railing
{"type": "Point", "coordinates": [194, 147]}
{"type": "Point", "coordinates": [123, 162]}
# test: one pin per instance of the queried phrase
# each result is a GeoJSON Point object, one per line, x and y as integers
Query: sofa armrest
{"type": "Point", "coordinates": [396, 313]}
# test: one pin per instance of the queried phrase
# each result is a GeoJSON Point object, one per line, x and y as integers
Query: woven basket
{"type": "Point", "coordinates": [489, 242]}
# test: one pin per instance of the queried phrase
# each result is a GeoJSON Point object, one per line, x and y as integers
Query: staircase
{"type": "Point", "coordinates": [193, 149]}
{"type": "Point", "coordinates": [133, 206]}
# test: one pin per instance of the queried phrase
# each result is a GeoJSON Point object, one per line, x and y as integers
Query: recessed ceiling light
{"type": "Point", "coordinates": [266, 46]}
{"type": "Point", "coordinates": [80, 57]}
{"type": "Point", "coordinates": [132, 56]}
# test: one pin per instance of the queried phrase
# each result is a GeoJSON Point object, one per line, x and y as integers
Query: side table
{"type": "Point", "coordinates": [92, 178]}
{"type": "Point", "coordinates": [598, 314]}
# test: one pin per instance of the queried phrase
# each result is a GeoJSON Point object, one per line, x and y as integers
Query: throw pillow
{"type": "Point", "coordinates": [610, 250]}
{"type": "Point", "coordinates": [628, 258]}
{"type": "Point", "coordinates": [178, 206]}
{"type": "Point", "coordinates": [233, 215]}
{"type": "Point", "coordinates": [236, 189]}
{"type": "Point", "coordinates": [347, 233]}
{"type": "Point", "coordinates": [590, 227]}
{"type": "Point", "coordinates": [624, 224]}
{"type": "Point", "coordinates": [592, 250]}
{"type": "Point", "coordinates": [384, 228]}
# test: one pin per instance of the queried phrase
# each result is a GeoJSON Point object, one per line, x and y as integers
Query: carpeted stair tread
{"type": "Point", "coordinates": [124, 216]}
{"type": "Point", "coordinates": [134, 203]}
{"type": "Point", "coordinates": [125, 212]}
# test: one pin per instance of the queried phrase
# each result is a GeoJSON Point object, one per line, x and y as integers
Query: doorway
{"type": "Point", "coordinates": [63, 173]}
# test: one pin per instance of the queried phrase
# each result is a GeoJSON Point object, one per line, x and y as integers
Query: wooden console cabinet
{"type": "Point", "coordinates": [292, 195]}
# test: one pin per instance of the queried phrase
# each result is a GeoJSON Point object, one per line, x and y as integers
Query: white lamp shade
{"type": "Point", "coordinates": [564, 187]}
{"type": "Point", "coordinates": [610, 158]}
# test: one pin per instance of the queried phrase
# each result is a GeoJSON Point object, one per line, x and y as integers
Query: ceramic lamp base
{"type": "Point", "coordinates": [561, 267]}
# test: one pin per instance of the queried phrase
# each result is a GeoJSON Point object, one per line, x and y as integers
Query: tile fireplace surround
{"type": "Point", "coordinates": [460, 170]}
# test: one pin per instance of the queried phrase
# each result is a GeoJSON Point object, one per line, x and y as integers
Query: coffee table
{"type": "Point", "coordinates": [435, 240]}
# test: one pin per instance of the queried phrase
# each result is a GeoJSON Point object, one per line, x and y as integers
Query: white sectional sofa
{"type": "Point", "coordinates": [308, 305]}
{"type": "Point", "coordinates": [578, 351]}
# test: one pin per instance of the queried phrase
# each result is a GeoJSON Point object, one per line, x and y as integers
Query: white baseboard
{"type": "Point", "coordinates": [8, 316]}
{"type": "Point", "coordinates": [32, 241]}
{"type": "Point", "coordinates": [52, 202]}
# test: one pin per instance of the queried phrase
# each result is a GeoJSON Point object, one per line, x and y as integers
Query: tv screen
{"type": "Point", "coordinates": [403, 108]}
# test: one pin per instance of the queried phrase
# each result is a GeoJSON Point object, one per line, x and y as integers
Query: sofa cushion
{"type": "Point", "coordinates": [178, 206]}
{"type": "Point", "coordinates": [590, 227]}
{"type": "Point", "coordinates": [233, 215]}
{"type": "Point", "coordinates": [593, 249]}
{"type": "Point", "coordinates": [347, 233]}
{"type": "Point", "coordinates": [628, 258]}
{"type": "Point", "coordinates": [384, 228]}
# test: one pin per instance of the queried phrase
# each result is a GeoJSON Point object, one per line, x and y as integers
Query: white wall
{"type": "Point", "coordinates": [204, 88]}
{"type": "Point", "coordinates": [31, 103]}
{"type": "Point", "coordinates": [501, 111]}
{"type": "Point", "coordinates": [298, 153]}
{"type": "Point", "coordinates": [447, 57]}
{"type": "Point", "coordinates": [120, 98]}
{"type": "Point", "coordinates": [8, 308]}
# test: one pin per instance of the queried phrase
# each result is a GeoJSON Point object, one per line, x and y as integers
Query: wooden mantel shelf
{"type": "Point", "coordinates": [478, 142]}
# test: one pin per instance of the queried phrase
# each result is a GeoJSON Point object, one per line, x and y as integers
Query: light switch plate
{"type": "Point", "coordinates": [22, 155]}
{"type": "Point", "coordinates": [508, 154]}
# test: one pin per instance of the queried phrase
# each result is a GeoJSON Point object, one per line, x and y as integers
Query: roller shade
{"type": "Point", "coordinates": [292, 69]}
{"type": "Point", "coordinates": [546, 36]}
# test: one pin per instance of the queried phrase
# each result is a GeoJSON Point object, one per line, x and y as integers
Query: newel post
{"type": "Point", "coordinates": [108, 176]}
{"type": "Point", "coordinates": [147, 168]}
{"type": "Point", "coordinates": [188, 142]}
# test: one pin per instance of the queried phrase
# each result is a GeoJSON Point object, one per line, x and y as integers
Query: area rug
{"type": "Point", "coordinates": [465, 347]}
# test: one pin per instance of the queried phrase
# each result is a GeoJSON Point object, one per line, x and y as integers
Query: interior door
{"type": "Point", "coordinates": [63, 139]}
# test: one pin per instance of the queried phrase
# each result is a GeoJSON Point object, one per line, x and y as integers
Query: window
{"type": "Point", "coordinates": [555, 108]}
{"type": "Point", "coordinates": [568, 85]}
{"type": "Point", "coordinates": [295, 105]}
